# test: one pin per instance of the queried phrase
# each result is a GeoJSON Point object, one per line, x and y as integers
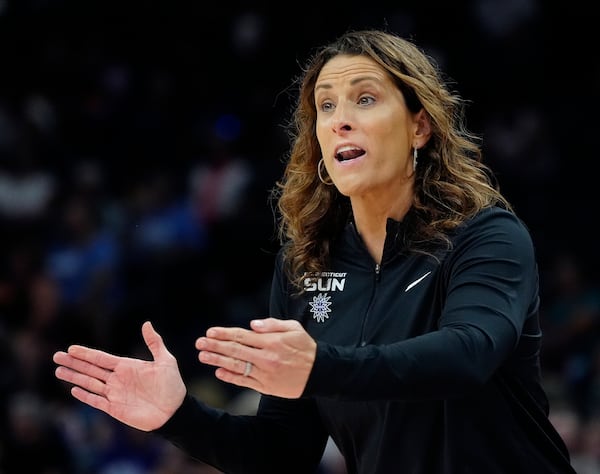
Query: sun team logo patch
{"type": "Point", "coordinates": [323, 283]}
{"type": "Point", "coordinates": [320, 307]}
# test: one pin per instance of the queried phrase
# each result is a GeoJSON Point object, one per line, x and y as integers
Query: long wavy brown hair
{"type": "Point", "coordinates": [451, 182]}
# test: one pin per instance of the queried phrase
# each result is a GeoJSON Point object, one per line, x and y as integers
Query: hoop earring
{"type": "Point", "coordinates": [415, 156]}
{"type": "Point", "coordinates": [329, 182]}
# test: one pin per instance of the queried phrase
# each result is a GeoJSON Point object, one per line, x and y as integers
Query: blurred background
{"type": "Point", "coordinates": [138, 145]}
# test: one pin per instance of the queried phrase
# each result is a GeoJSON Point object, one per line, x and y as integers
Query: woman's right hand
{"type": "Point", "coordinates": [143, 394]}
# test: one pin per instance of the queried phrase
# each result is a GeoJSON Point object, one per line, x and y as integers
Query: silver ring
{"type": "Point", "coordinates": [247, 369]}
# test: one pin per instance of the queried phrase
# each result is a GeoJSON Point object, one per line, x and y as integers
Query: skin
{"type": "Point", "coordinates": [142, 394]}
{"type": "Point", "coordinates": [358, 106]}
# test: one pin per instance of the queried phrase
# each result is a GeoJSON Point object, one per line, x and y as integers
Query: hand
{"type": "Point", "coordinates": [142, 394]}
{"type": "Point", "coordinates": [282, 354]}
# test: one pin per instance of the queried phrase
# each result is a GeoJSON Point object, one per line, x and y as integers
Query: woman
{"type": "Point", "coordinates": [404, 306]}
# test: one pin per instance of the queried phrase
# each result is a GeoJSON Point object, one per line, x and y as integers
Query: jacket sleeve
{"type": "Point", "coordinates": [490, 291]}
{"type": "Point", "coordinates": [285, 436]}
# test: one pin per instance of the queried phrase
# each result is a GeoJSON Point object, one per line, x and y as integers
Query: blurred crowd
{"type": "Point", "coordinates": [139, 143]}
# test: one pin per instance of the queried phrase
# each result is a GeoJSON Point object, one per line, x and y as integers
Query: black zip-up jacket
{"type": "Point", "coordinates": [423, 366]}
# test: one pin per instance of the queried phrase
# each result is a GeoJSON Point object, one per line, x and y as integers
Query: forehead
{"type": "Point", "coordinates": [343, 67]}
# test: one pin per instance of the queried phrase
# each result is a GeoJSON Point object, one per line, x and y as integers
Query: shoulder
{"type": "Point", "coordinates": [496, 220]}
{"type": "Point", "coordinates": [495, 231]}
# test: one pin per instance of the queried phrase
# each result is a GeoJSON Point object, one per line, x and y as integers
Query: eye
{"type": "Point", "coordinates": [366, 100]}
{"type": "Point", "coordinates": [327, 106]}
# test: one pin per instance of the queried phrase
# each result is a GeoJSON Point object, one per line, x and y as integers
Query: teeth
{"type": "Point", "coordinates": [346, 148]}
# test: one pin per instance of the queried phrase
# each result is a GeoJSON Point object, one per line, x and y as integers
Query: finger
{"type": "Point", "coordinates": [249, 381]}
{"type": "Point", "coordinates": [88, 383]}
{"type": "Point", "coordinates": [236, 334]}
{"type": "Point", "coordinates": [154, 341]}
{"type": "Point", "coordinates": [274, 325]}
{"type": "Point", "coordinates": [81, 366]}
{"type": "Point", "coordinates": [243, 337]}
{"type": "Point", "coordinates": [93, 356]}
{"type": "Point", "coordinates": [217, 346]}
{"type": "Point", "coordinates": [231, 364]}
{"type": "Point", "coordinates": [93, 400]}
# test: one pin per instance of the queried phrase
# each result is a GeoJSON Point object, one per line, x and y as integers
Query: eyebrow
{"type": "Point", "coordinates": [353, 82]}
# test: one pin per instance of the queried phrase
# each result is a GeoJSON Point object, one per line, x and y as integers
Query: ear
{"type": "Point", "coordinates": [423, 128]}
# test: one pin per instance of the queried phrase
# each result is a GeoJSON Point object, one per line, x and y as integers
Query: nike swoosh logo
{"type": "Point", "coordinates": [416, 282]}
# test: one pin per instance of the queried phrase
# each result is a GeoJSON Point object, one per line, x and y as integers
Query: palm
{"type": "Point", "coordinates": [143, 394]}
{"type": "Point", "coordinates": [139, 393]}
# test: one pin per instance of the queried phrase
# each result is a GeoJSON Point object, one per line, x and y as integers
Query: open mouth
{"type": "Point", "coordinates": [348, 153]}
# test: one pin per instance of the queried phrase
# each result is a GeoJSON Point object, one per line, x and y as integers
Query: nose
{"type": "Point", "coordinates": [341, 121]}
{"type": "Point", "coordinates": [340, 126]}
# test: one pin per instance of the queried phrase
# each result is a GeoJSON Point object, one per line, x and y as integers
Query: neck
{"type": "Point", "coordinates": [371, 218]}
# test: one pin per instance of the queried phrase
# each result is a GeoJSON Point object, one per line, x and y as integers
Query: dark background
{"type": "Point", "coordinates": [138, 145]}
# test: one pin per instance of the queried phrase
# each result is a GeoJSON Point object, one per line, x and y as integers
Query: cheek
{"type": "Point", "coordinates": [395, 135]}
{"type": "Point", "coordinates": [321, 138]}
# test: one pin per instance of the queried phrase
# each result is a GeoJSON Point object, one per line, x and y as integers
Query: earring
{"type": "Point", "coordinates": [328, 182]}
{"type": "Point", "coordinates": [415, 156]}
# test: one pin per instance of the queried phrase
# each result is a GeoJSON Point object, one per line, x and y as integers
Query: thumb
{"type": "Point", "coordinates": [274, 325]}
{"type": "Point", "coordinates": [153, 340]}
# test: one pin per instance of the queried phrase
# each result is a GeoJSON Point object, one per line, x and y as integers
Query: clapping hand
{"type": "Point", "coordinates": [274, 357]}
{"type": "Point", "coordinates": [143, 394]}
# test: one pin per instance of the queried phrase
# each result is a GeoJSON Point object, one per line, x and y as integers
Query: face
{"type": "Point", "coordinates": [364, 128]}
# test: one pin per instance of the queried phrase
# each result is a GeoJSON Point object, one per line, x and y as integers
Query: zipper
{"type": "Point", "coordinates": [363, 342]}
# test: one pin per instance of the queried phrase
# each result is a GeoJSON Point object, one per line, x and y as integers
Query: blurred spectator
{"type": "Point", "coordinates": [33, 341]}
{"type": "Point", "coordinates": [175, 461]}
{"type": "Point", "coordinates": [19, 263]}
{"type": "Point", "coordinates": [588, 457]}
{"type": "Point", "coordinates": [99, 445]}
{"type": "Point", "coordinates": [581, 437]}
{"type": "Point", "coordinates": [164, 244]}
{"type": "Point", "coordinates": [88, 179]}
{"type": "Point", "coordinates": [571, 325]}
{"type": "Point", "coordinates": [125, 450]}
{"type": "Point", "coordinates": [523, 153]}
{"type": "Point", "coordinates": [33, 444]}
{"type": "Point", "coordinates": [83, 258]}
{"type": "Point", "coordinates": [220, 181]}
{"type": "Point", "coordinates": [162, 222]}
{"type": "Point", "coordinates": [27, 187]}
{"type": "Point", "coordinates": [25, 193]}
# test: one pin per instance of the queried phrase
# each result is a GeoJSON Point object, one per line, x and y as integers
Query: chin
{"type": "Point", "coordinates": [348, 191]}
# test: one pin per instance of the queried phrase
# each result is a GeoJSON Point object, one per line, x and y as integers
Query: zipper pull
{"type": "Point", "coordinates": [377, 271]}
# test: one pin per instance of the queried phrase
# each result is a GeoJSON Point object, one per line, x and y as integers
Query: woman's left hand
{"type": "Point", "coordinates": [274, 358]}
